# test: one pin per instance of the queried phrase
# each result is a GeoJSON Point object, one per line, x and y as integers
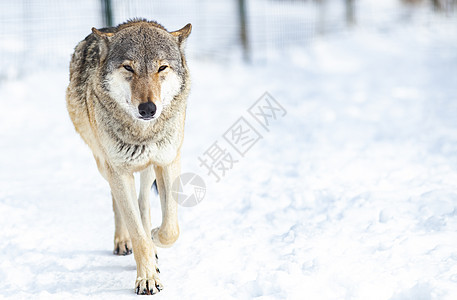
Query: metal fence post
{"type": "Point", "coordinates": [243, 29]}
{"type": "Point", "coordinates": [107, 13]}
{"type": "Point", "coordinates": [350, 12]}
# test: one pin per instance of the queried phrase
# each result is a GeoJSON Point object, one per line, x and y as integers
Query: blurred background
{"type": "Point", "coordinates": [43, 34]}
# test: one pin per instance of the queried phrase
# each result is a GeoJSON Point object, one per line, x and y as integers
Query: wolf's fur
{"type": "Point", "coordinates": [113, 71]}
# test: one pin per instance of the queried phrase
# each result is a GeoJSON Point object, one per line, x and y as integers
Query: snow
{"type": "Point", "coordinates": [351, 195]}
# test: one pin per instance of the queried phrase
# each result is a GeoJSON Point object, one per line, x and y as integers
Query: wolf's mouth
{"type": "Point", "coordinates": [146, 118]}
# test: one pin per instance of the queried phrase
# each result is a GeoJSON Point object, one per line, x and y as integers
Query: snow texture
{"type": "Point", "coordinates": [351, 195]}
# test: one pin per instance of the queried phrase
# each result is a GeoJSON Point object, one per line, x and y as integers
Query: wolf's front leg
{"type": "Point", "coordinates": [147, 177]}
{"type": "Point", "coordinates": [123, 189]}
{"type": "Point", "coordinates": [122, 242]}
{"type": "Point", "coordinates": [168, 232]}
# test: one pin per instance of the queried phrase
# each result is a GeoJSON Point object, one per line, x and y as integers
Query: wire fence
{"type": "Point", "coordinates": [36, 34]}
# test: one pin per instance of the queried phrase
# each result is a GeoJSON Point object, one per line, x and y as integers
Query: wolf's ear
{"type": "Point", "coordinates": [102, 34]}
{"type": "Point", "coordinates": [182, 33]}
{"type": "Point", "coordinates": [104, 39]}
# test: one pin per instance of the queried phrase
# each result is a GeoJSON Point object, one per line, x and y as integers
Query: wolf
{"type": "Point", "coordinates": [127, 99]}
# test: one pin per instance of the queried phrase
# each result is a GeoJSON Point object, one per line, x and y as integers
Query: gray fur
{"type": "Point", "coordinates": [114, 71]}
{"type": "Point", "coordinates": [145, 44]}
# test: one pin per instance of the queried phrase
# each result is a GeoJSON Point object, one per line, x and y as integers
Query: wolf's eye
{"type": "Point", "coordinates": [161, 68]}
{"type": "Point", "coordinates": [128, 68]}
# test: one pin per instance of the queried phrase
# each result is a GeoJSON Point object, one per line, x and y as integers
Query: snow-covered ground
{"type": "Point", "coordinates": [351, 195]}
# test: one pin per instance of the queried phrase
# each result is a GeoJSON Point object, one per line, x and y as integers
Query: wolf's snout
{"type": "Point", "coordinates": [147, 110]}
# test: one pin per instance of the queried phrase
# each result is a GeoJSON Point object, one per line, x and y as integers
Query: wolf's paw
{"type": "Point", "coordinates": [149, 286]}
{"type": "Point", "coordinates": [164, 239]}
{"type": "Point", "coordinates": [122, 247]}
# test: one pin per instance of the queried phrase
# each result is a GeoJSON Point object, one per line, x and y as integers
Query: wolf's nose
{"type": "Point", "coordinates": [147, 109]}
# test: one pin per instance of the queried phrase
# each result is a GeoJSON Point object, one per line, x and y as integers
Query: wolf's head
{"type": "Point", "coordinates": [143, 66]}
